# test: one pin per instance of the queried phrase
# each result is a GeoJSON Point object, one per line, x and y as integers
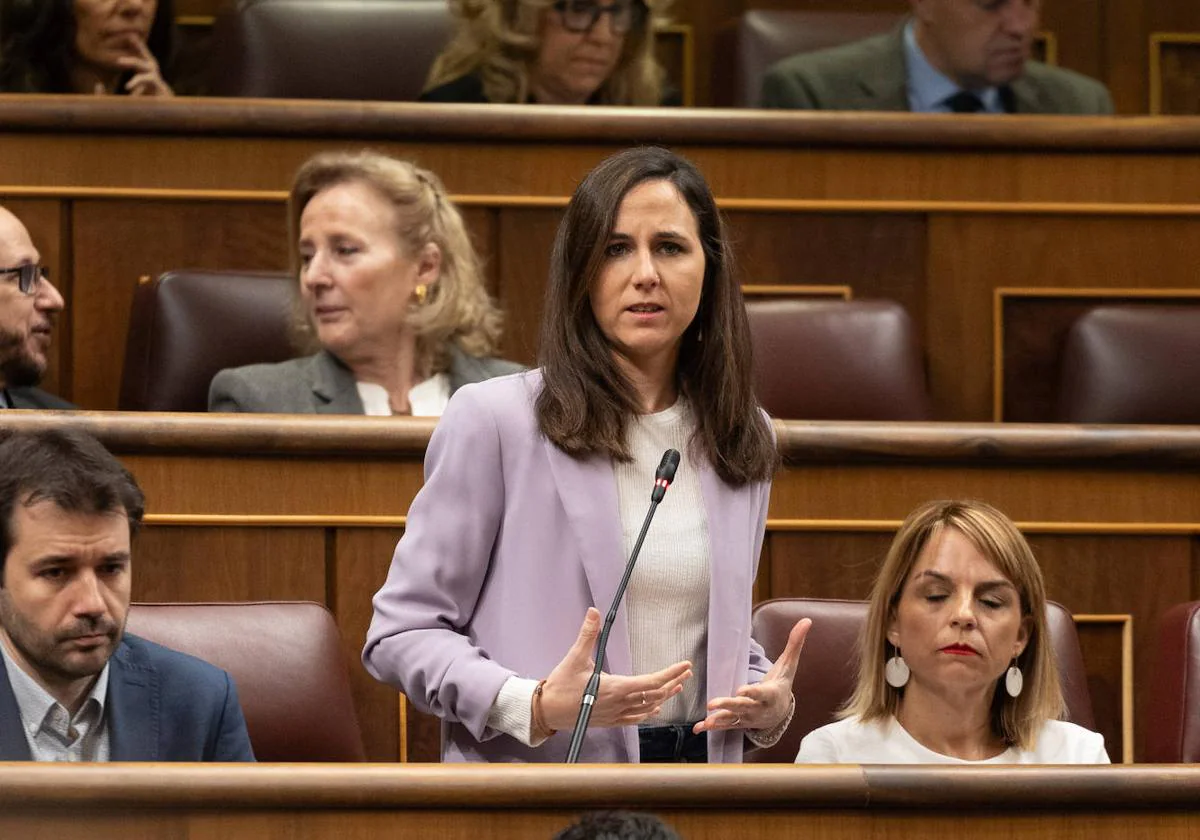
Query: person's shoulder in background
{"type": "Point", "coordinates": [37, 398]}
{"type": "Point", "coordinates": [1061, 91]}
{"type": "Point", "coordinates": [466, 89]}
{"type": "Point", "coordinates": [831, 79]}
{"type": "Point", "coordinates": [277, 387]}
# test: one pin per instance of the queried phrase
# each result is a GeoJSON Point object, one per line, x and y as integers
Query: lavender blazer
{"type": "Point", "coordinates": [507, 545]}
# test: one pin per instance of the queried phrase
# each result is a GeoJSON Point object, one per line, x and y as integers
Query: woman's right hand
{"type": "Point", "coordinates": [147, 79]}
{"type": "Point", "coordinates": [621, 701]}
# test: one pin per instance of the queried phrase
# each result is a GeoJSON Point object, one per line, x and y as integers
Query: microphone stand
{"type": "Point", "coordinates": [663, 478]}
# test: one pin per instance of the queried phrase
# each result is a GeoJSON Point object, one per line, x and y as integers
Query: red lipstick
{"type": "Point", "coordinates": [960, 650]}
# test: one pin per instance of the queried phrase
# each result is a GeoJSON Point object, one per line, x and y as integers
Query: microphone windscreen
{"type": "Point", "coordinates": [668, 465]}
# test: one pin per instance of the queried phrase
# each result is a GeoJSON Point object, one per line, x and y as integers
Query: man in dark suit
{"type": "Point", "coordinates": [73, 685]}
{"type": "Point", "coordinates": [951, 56]}
{"type": "Point", "coordinates": [29, 304]}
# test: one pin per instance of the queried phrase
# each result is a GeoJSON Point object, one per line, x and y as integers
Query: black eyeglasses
{"type": "Point", "coordinates": [581, 15]}
{"type": "Point", "coordinates": [28, 276]}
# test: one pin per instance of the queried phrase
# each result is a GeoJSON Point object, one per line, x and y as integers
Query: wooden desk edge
{"type": "Point", "coordinates": [405, 438]}
{"type": "Point", "coordinates": [37, 787]}
{"type": "Point", "coordinates": [192, 116]}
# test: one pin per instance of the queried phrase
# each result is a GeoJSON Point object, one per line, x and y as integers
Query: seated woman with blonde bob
{"type": "Point", "coordinates": [391, 295]}
{"type": "Point", "coordinates": [956, 665]}
{"type": "Point", "coordinates": [564, 52]}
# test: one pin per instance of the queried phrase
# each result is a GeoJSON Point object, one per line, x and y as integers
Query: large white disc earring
{"type": "Point", "coordinates": [896, 672]}
{"type": "Point", "coordinates": [1014, 680]}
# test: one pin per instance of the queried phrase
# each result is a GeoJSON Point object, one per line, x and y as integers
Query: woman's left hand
{"type": "Point", "coordinates": [760, 705]}
{"type": "Point", "coordinates": [147, 77]}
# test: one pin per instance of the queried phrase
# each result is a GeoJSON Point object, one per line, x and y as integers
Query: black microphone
{"type": "Point", "coordinates": [663, 477]}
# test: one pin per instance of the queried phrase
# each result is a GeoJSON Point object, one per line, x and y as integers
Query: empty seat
{"type": "Point", "coordinates": [328, 49]}
{"type": "Point", "coordinates": [760, 37]}
{"type": "Point", "coordinates": [186, 326]}
{"type": "Point", "coordinates": [826, 673]}
{"type": "Point", "coordinates": [1132, 364]}
{"type": "Point", "coordinates": [1173, 714]}
{"type": "Point", "coordinates": [837, 360]}
{"type": "Point", "coordinates": [287, 662]}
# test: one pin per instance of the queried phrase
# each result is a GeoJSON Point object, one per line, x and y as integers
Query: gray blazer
{"type": "Point", "coordinates": [871, 75]}
{"type": "Point", "coordinates": [320, 384]}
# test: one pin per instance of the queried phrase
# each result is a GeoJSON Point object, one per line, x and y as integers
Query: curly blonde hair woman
{"type": "Point", "coordinates": [390, 296]}
{"type": "Point", "coordinates": [557, 52]}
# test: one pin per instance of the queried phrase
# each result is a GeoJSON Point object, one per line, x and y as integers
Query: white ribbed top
{"type": "Point", "coordinates": [667, 600]}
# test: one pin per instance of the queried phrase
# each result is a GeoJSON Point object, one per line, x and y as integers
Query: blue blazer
{"type": "Point", "coordinates": [162, 705]}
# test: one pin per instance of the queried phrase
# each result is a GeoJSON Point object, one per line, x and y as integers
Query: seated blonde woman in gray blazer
{"type": "Point", "coordinates": [390, 297]}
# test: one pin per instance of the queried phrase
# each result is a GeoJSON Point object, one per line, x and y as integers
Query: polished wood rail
{"type": "Point", "coordinates": [994, 234]}
{"type": "Point", "coordinates": [310, 508]}
{"type": "Point", "coordinates": [131, 802]}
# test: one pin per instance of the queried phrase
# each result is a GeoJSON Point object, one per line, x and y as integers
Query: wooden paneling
{"type": "Point", "coordinates": [1102, 641]}
{"type": "Point", "coordinates": [483, 226]}
{"type": "Point", "coordinates": [525, 236]}
{"type": "Point", "coordinates": [498, 802]}
{"type": "Point", "coordinates": [358, 563]}
{"type": "Point", "coordinates": [1116, 583]}
{"type": "Point", "coordinates": [917, 210]}
{"type": "Point", "coordinates": [1031, 332]}
{"type": "Point", "coordinates": [264, 507]}
{"type": "Point", "coordinates": [1175, 73]}
{"type": "Point", "coordinates": [116, 242]}
{"type": "Point", "coordinates": [878, 255]}
{"type": "Point", "coordinates": [971, 255]}
{"type": "Point", "coordinates": [230, 564]}
{"type": "Point", "coordinates": [833, 564]}
{"type": "Point", "coordinates": [944, 267]}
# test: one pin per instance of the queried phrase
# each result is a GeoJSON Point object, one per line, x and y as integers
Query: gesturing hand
{"type": "Point", "coordinates": [764, 704]}
{"type": "Point", "coordinates": [147, 78]}
{"type": "Point", "coordinates": [621, 701]}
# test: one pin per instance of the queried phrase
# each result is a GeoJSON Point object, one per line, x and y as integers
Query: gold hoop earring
{"type": "Point", "coordinates": [421, 292]}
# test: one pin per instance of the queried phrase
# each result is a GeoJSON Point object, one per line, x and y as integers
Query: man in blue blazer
{"type": "Point", "coordinates": [74, 687]}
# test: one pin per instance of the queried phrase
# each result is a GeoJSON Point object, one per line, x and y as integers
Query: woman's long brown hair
{"type": "Point", "coordinates": [586, 402]}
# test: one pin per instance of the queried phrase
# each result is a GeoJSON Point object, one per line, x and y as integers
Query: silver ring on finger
{"type": "Point", "coordinates": [643, 698]}
{"type": "Point", "coordinates": [737, 720]}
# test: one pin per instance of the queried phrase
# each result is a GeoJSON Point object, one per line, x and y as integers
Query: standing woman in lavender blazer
{"type": "Point", "coordinates": [536, 485]}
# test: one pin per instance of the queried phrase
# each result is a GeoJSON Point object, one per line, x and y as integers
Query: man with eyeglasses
{"type": "Point", "coordinates": [29, 303]}
{"type": "Point", "coordinates": [951, 56]}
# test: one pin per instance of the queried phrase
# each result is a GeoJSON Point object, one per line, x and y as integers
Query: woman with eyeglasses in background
{"type": "Point", "coordinates": [564, 52]}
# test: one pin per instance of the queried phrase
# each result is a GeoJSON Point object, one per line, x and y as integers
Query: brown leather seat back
{"type": "Point", "coordinates": [761, 37]}
{"type": "Point", "coordinates": [827, 671]}
{"type": "Point", "coordinates": [1173, 715]}
{"type": "Point", "coordinates": [186, 326]}
{"type": "Point", "coordinates": [328, 49]}
{"type": "Point", "coordinates": [287, 662]}
{"type": "Point", "coordinates": [837, 360]}
{"type": "Point", "coordinates": [1132, 364]}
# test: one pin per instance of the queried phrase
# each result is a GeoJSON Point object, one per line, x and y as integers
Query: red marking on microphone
{"type": "Point", "coordinates": [662, 482]}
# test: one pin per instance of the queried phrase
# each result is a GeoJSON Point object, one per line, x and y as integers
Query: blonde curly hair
{"type": "Point", "coordinates": [458, 309]}
{"type": "Point", "coordinates": [500, 40]}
